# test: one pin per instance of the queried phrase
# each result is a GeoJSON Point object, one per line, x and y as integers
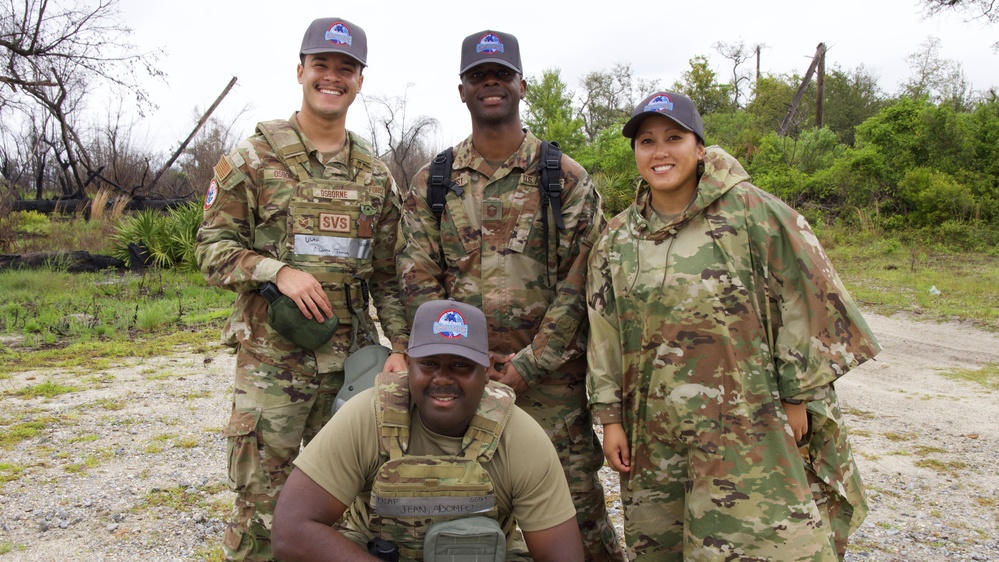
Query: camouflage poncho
{"type": "Point", "coordinates": [698, 329]}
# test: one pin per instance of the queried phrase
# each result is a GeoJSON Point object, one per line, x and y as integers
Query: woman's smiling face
{"type": "Point", "coordinates": [667, 156]}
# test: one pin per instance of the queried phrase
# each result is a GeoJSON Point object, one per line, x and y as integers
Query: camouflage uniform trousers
{"type": "Point", "coordinates": [274, 411]}
{"type": "Point", "coordinates": [692, 508]}
{"type": "Point", "coordinates": [561, 410]}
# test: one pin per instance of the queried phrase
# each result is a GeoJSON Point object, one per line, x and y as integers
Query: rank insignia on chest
{"type": "Point", "coordinates": [304, 223]}
{"type": "Point", "coordinates": [493, 210]}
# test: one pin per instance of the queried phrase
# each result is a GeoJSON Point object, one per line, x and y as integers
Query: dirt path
{"type": "Point", "coordinates": [928, 444]}
{"type": "Point", "coordinates": [130, 465]}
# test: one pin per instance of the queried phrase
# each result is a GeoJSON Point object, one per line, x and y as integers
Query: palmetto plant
{"type": "Point", "coordinates": [167, 239]}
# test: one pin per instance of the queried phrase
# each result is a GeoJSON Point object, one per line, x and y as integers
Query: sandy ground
{"type": "Point", "coordinates": [131, 464]}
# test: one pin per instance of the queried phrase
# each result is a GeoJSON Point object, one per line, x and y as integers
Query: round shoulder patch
{"type": "Point", "coordinates": [212, 195]}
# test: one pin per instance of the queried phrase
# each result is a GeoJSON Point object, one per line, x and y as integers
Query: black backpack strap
{"type": "Point", "coordinates": [550, 192]}
{"type": "Point", "coordinates": [440, 182]}
{"type": "Point", "coordinates": [550, 182]}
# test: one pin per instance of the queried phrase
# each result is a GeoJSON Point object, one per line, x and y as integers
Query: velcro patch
{"type": "Point", "coordinates": [223, 168]}
{"type": "Point", "coordinates": [494, 211]}
{"type": "Point", "coordinates": [329, 222]}
{"type": "Point", "coordinates": [212, 195]}
{"type": "Point", "coordinates": [348, 194]}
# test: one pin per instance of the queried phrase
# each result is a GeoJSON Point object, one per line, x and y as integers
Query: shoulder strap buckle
{"type": "Point", "coordinates": [440, 182]}
{"type": "Point", "coordinates": [550, 181]}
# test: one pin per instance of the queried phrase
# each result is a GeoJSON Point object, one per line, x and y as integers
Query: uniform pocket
{"type": "Point", "coordinates": [246, 468]}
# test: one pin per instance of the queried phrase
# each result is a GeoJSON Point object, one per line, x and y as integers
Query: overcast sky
{"type": "Point", "coordinates": [207, 42]}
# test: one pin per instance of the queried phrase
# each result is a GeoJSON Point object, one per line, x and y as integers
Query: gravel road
{"type": "Point", "coordinates": [130, 464]}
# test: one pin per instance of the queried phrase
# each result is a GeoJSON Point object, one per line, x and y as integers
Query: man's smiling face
{"type": "Point", "coordinates": [446, 390]}
{"type": "Point", "coordinates": [330, 82]}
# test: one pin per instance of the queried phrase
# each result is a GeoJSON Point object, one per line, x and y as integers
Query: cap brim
{"type": "Point", "coordinates": [448, 349]}
{"type": "Point", "coordinates": [630, 128]}
{"type": "Point", "coordinates": [487, 61]}
{"type": "Point", "coordinates": [341, 51]}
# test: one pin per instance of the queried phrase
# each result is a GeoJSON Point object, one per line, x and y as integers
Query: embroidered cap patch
{"type": "Point", "coordinates": [339, 34]}
{"type": "Point", "coordinates": [660, 104]}
{"type": "Point", "coordinates": [451, 324]}
{"type": "Point", "coordinates": [489, 43]}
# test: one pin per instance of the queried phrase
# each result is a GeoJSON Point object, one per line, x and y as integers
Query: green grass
{"type": "Point", "coordinates": [987, 376]}
{"type": "Point", "coordinates": [209, 554]}
{"type": "Point", "coordinates": [186, 442]}
{"type": "Point", "coordinates": [8, 547]}
{"type": "Point", "coordinates": [47, 389]}
{"type": "Point", "coordinates": [10, 472]}
{"type": "Point", "coordinates": [941, 466]}
{"type": "Point", "coordinates": [91, 461]}
{"type": "Point", "coordinates": [890, 276]}
{"type": "Point", "coordinates": [14, 433]}
{"type": "Point", "coordinates": [110, 404]}
{"type": "Point", "coordinates": [178, 499]}
{"type": "Point", "coordinates": [102, 355]}
{"type": "Point", "coordinates": [49, 310]}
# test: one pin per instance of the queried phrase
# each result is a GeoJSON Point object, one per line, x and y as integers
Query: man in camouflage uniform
{"type": "Point", "coordinates": [494, 248]}
{"type": "Point", "coordinates": [302, 204]}
{"type": "Point", "coordinates": [709, 329]}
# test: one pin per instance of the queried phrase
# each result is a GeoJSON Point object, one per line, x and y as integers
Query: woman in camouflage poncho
{"type": "Point", "coordinates": [718, 327]}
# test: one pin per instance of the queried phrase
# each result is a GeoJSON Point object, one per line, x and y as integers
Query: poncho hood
{"type": "Point", "coordinates": [722, 172]}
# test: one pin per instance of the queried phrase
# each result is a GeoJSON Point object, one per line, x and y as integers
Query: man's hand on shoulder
{"type": "Point", "coordinates": [307, 293]}
{"type": "Point", "coordinates": [395, 363]}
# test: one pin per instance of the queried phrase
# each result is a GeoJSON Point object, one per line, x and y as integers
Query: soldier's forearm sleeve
{"type": "Point", "coordinates": [225, 240]}
{"type": "Point", "coordinates": [386, 292]}
{"type": "Point", "coordinates": [562, 334]}
{"type": "Point", "coordinates": [605, 357]}
{"type": "Point", "coordinates": [418, 261]}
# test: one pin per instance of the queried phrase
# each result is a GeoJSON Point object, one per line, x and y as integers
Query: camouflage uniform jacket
{"type": "Point", "coordinates": [700, 326]}
{"type": "Point", "coordinates": [245, 239]}
{"type": "Point", "coordinates": [490, 251]}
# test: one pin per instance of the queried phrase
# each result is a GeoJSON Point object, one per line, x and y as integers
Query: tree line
{"type": "Point", "coordinates": [921, 158]}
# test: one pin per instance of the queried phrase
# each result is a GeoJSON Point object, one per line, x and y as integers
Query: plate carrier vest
{"type": "Point", "coordinates": [412, 492]}
{"type": "Point", "coordinates": [329, 231]}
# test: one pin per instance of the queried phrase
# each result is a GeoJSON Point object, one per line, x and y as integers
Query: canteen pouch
{"type": "Point", "coordinates": [285, 317]}
{"type": "Point", "coordinates": [360, 370]}
{"type": "Point", "coordinates": [470, 539]}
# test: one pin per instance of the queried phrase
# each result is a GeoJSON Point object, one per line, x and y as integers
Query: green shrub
{"type": "Point", "coordinates": [29, 222]}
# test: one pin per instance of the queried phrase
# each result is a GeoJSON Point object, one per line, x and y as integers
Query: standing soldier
{"type": "Point", "coordinates": [501, 246]}
{"type": "Point", "coordinates": [303, 215]}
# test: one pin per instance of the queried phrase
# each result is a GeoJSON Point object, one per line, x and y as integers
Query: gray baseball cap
{"type": "Point", "coordinates": [490, 46]}
{"type": "Point", "coordinates": [336, 35]}
{"type": "Point", "coordinates": [448, 327]}
{"type": "Point", "coordinates": [677, 107]}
